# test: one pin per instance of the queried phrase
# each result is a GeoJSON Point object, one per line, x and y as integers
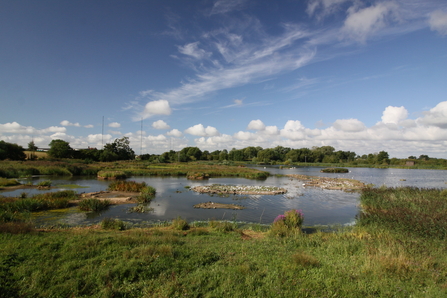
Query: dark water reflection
{"type": "Point", "coordinates": [320, 207]}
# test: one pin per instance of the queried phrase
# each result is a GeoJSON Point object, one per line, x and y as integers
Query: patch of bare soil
{"type": "Point", "coordinates": [115, 197]}
{"type": "Point", "coordinates": [212, 205]}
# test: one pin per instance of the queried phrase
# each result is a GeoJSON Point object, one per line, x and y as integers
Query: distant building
{"type": "Point", "coordinates": [409, 163]}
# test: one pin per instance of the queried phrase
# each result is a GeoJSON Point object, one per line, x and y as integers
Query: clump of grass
{"type": "Point", "coordinates": [334, 170]}
{"type": "Point", "coordinates": [140, 208]}
{"type": "Point", "coordinates": [147, 194]}
{"type": "Point", "coordinates": [180, 224]}
{"type": "Point", "coordinates": [304, 260]}
{"type": "Point", "coordinates": [223, 226]}
{"type": "Point", "coordinates": [19, 227]}
{"type": "Point", "coordinates": [130, 186]}
{"type": "Point", "coordinates": [198, 176]}
{"type": "Point", "coordinates": [287, 224]}
{"type": "Point", "coordinates": [44, 184]}
{"type": "Point", "coordinates": [8, 182]}
{"type": "Point", "coordinates": [93, 204]}
{"type": "Point", "coordinates": [112, 224]}
{"type": "Point", "coordinates": [111, 174]}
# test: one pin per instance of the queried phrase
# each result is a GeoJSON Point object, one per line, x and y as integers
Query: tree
{"type": "Point", "coordinates": [32, 146]}
{"type": "Point", "coordinates": [60, 149]}
{"type": "Point", "coordinates": [11, 151]}
{"type": "Point", "coordinates": [120, 148]}
{"type": "Point", "coordinates": [383, 157]}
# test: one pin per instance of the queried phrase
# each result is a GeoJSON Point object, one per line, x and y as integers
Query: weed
{"type": "Point", "coordinates": [112, 224]}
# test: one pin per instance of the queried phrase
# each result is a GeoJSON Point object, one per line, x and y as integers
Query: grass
{"type": "Point", "coordinates": [93, 204]}
{"type": "Point", "coordinates": [397, 249]}
{"type": "Point", "coordinates": [334, 170]}
{"type": "Point", "coordinates": [8, 182]}
{"type": "Point", "coordinates": [106, 174]}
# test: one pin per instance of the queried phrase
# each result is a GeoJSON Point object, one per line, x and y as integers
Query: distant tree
{"type": "Point", "coordinates": [383, 157]}
{"type": "Point", "coordinates": [11, 151]}
{"type": "Point", "coordinates": [250, 152]}
{"type": "Point", "coordinates": [119, 149]}
{"type": "Point", "coordinates": [412, 157]}
{"type": "Point", "coordinates": [223, 155]}
{"type": "Point", "coordinates": [32, 146]}
{"type": "Point", "coordinates": [60, 149]}
{"type": "Point", "coordinates": [423, 157]}
{"type": "Point", "coordinates": [266, 155]}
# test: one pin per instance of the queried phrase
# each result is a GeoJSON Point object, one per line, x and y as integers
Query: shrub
{"type": "Point", "coordinates": [112, 224]}
{"type": "Point", "coordinates": [287, 224]}
{"type": "Point", "coordinates": [93, 204]}
{"type": "Point", "coordinates": [45, 183]}
{"type": "Point", "coordinates": [130, 186]}
{"type": "Point", "coordinates": [8, 182]}
{"type": "Point", "coordinates": [111, 175]}
{"type": "Point", "coordinates": [180, 224]}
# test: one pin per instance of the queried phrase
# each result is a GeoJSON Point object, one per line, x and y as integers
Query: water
{"type": "Point", "coordinates": [320, 207]}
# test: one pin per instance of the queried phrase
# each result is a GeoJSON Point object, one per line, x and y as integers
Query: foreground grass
{"type": "Point", "coordinates": [376, 258]}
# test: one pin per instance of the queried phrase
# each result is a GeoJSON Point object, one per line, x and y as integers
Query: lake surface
{"type": "Point", "coordinates": [173, 199]}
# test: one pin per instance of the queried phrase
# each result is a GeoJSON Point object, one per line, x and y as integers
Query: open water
{"type": "Point", "coordinates": [173, 198]}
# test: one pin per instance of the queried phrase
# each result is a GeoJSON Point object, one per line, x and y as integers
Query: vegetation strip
{"type": "Point", "coordinates": [239, 189]}
{"type": "Point", "coordinates": [213, 205]}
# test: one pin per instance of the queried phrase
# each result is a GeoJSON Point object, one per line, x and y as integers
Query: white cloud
{"type": "Point", "coordinates": [200, 130]}
{"type": "Point", "coordinates": [256, 125]}
{"type": "Point", "coordinates": [436, 116]}
{"type": "Point", "coordinates": [114, 125]}
{"type": "Point", "coordinates": [238, 101]}
{"type": "Point", "coordinates": [174, 133]}
{"type": "Point", "coordinates": [193, 50]}
{"type": "Point", "coordinates": [394, 115]}
{"type": "Point", "coordinates": [361, 23]}
{"type": "Point", "coordinates": [56, 129]}
{"type": "Point", "coordinates": [89, 126]}
{"type": "Point", "coordinates": [271, 130]}
{"type": "Point", "coordinates": [156, 107]}
{"type": "Point", "coordinates": [15, 127]}
{"type": "Point", "coordinates": [349, 125]}
{"type": "Point", "coordinates": [160, 124]}
{"type": "Point", "coordinates": [68, 123]}
{"type": "Point", "coordinates": [244, 135]}
{"type": "Point", "coordinates": [223, 6]}
{"type": "Point", "coordinates": [294, 130]}
{"type": "Point", "coordinates": [325, 7]}
{"type": "Point", "coordinates": [438, 21]}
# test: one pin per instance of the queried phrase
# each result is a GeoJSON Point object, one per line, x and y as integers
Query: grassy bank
{"type": "Point", "coordinates": [394, 251]}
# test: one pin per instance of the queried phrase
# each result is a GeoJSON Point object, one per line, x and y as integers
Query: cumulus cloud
{"type": "Point", "coordinates": [160, 124]}
{"type": "Point", "coordinates": [200, 130]}
{"type": "Point", "coordinates": [436, 116]}
{"type": "Point", "coordinates": [438, 21]}
{"type": "Point", "coordinates": [114, 125]}
{"type": "Point", "coordinates": [349, 125]}
{"type": "Point", "coordinates": [271, 130]}
{"type": "Point", "coordinates": [394, 115]}
{"type": "Point", "coordinates": [68, 123]}
{"type": "Point", "coordinates": [244, 135]}
{"type": "Point", "coordinates": [293, 130]}
{"type": "Point", "coordinates": [89, 126]}
{"type": "Point", "coordinates": [174, 133]}
{"type": "Point", "coordinates": [363, 22]}
{"type": "Point", "coordinates": [156, 107]}
{"type": "Point", "coordinates": [256, 125]}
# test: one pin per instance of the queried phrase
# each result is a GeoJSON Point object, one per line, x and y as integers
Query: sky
{"type": "Point", "coordinates": [362, 76]}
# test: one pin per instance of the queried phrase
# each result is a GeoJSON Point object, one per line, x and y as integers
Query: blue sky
{"type": "Point", "coordinates": [357, 75]}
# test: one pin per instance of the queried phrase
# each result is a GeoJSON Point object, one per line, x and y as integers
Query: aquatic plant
{"type": "Point", "coordinates": [8, 182]}
{"type": "Point", "coordinates": [106, 174]}
{"type": "Point", "coordinates": [124, 185]}
{"type": "Point", "coordinates": [334, 170]}
{"type": "Point", "coordinates": [93, 204]}
{"type": "Point", "coordinates": [146, 195]}
{"type": "Point", "coordinates": [45, 183]}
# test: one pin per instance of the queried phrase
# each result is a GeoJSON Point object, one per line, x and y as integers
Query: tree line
{"type": "Point", "coordinates": [120, 149]}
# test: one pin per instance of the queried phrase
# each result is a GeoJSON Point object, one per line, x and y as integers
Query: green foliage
{"type": "Point", "coordinates": [118, 150]}
{"type": "Point", "coordinates": [112, 224]}
{"type": "Point", "coordinates": [180, 224]}
{"type": "Point", "coordinates": [93, 204]}
{"type": "Point", "coordinates": [108, 174]}
{"type": "Point", "coordinates": [8, 182]}
{"type": "Point", "coordinates": [288, 224]}
{"type": "Point", "coordinates": [60, 149]}
{"type": "Point", "coordinates": [334, 170]}
{"type": "Point", "coordinates": [11, 151]}
{"type": "Point", "coordinates": [130, 186]}
{"type": "Point", "coordinates": [146, 195]}
{"type": "Point", "coordinates": [45, 183]}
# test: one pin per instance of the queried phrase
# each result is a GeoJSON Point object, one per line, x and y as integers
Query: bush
{"type": "Point", "coordinates": [45, 183]}
{"type": "Point", "coordinates": [112, 224]}
{"type": "Point", "coordinates": [8, 182]}
{"type": "Point", "coordinates": [287, 224]}
{"type": "Point", "coordinates": [93, 204]}
{"type": "Point", "coordinates": [180, 224]}
{"type": "Point", "coordinates": [147, 194]}
{"type": "Point", "coordinates": [130, 186]}
{"type": "Point", "coordinates": [111, 175]}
